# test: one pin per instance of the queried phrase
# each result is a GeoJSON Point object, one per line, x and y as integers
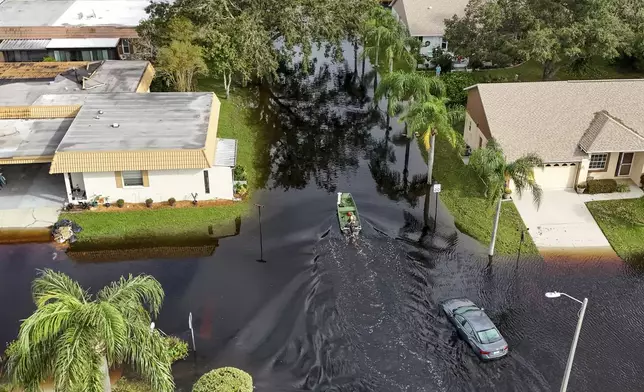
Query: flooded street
{"type": "Point", "coordinates": [325, 314]}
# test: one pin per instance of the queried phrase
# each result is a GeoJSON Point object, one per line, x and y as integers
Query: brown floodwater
{"type": "Point", "coordinates": [325, 314]}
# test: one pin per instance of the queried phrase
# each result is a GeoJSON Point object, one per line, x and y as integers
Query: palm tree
{"type": "Point", "coordinates": [74, 339]}
{"type": "Point", "coordinates": [497, 173]}
{"type": "Point", "coordinates": [430, 118]}
{"type": "Point", "coordinates": [402, 89]}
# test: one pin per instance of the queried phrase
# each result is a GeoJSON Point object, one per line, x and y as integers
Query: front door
{"type": "Point", "coordinates": [624, 164]}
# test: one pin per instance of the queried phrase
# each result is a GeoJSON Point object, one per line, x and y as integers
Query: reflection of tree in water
{"type": "Point", "coordinates": [393, 184]}
{"type": "Point", "coordinates": [316, 125]}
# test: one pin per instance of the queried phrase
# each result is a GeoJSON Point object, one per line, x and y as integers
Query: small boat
{"type": "Point", "coordinates": [348, 217]}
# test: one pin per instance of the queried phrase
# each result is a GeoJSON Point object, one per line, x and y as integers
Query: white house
{"type": "Point", "coordinates": [134, 146]}
{"type": "Point", "coordinates": [425, 19]}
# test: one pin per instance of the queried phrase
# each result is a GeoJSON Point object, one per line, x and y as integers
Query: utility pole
{"type": "Point", "coordinates": [261, 240]}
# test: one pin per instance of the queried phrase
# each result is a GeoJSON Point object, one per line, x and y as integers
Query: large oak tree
{"type": "Point", "coordinates": [551, 32]}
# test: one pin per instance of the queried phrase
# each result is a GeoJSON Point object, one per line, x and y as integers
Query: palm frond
{"type": "Point", "coordinates": [151, 360]}
{"type": "Point", "coordinates": [142, 289]}
{"type": "Point", "coordinates": [51, 286]}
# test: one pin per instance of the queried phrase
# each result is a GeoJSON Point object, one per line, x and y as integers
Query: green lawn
{"type": "Point", "coordinates": [462, 193]}
{"type": "Point", "coordinates": [179, 225]}
{"type": "Point", "coordinates": [531, 71]}
{"type": "Point", "coordinates": [622, 222]}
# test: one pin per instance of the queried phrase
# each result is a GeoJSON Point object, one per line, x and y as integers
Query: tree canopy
{"type": "Point", "coordinates": [248, 38]}
{"type": "Point", "coordinates": [550, 32]}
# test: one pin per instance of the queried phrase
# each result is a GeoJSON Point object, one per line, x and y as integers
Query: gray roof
{"type": "Point", "coordinates": [24, 44]}
{"type": "Point", "coordinates": [154, 121]}
{"type": "Point", "coordinates": [226, 152]}
{"type": "Point", "coordinates": [29, 138]}
{"type": "Point", "coordinates": [426, 18]}
{"type": "Point", "coordinates": [478, 319]}
{"type": "Point", "coordinates": [553, 119]}
{"type": "Point", "coordinates": [111, 76]}
{"type": "Point", "coordinates": [32, 12]}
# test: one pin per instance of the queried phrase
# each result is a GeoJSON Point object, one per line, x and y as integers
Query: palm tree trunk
{"type": "Point", "coordinates": [406, 168]}
{"type": "Point", "coordinates": [364, 60]}
{"type": "Point", "coordinates": [391, 64]}
{"type": "Point", "coordinates": [495, 228]}
{"type": "Point", "coordinates": [430, 169]}
{"type": "Point", "coordinates": [355, 59]}
{"type": "Point", "coordinates": [107, 383]}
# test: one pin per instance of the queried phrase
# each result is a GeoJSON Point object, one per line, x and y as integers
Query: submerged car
{"type": "Point", "coordinates": [476, 328]}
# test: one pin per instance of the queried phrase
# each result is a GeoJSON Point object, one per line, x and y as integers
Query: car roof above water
{"type": "Point", "coordinates": [478, 319]}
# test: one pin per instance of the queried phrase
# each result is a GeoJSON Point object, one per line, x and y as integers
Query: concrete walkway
{"type": "Point", "coordinates": [563, 221]}
{"type": "Point", "coordinates": [32, 197]}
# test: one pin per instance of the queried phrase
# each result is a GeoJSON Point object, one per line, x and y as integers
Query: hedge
{"type": "Point", "coordinates": [227, 379]}
{"type": "Point", "coordinates": [601, 186]}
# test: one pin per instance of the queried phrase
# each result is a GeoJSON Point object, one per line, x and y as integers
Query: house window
{"type": "Point", "coordinates": [598, 161]}
{"type": "Point", "coordinates": [125, 45]}
{"type": "Point", "coordinates": [132, 178]}
{"type": "Point", "coordinates": [206, 181]}
{"type": "Point", "coordinates": [444, 45]}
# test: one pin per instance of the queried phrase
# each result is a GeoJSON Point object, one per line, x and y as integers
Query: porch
{"type": "Point", "coordinates": [626, 166]}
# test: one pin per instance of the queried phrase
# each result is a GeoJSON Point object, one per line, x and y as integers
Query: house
{"type": "Point", "coordinates": [105, 135]}
{"type": "Point", "coordinates": [582, 129]}
{"type": "Point", "coordinates": [425, 19]}
{"type": "Point", "coordinates": [68, 30]}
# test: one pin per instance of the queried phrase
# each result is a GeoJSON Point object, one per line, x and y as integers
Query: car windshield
{"type": "Point", "coordinates": [464, 309]}
{"type": "Point", "coordinates": [489, 336]}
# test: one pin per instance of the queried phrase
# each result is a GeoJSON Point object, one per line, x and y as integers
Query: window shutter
{"type": "Point", "coordinates": [146, 179]}
{"type": "Point", "coordinates": [119, 179]}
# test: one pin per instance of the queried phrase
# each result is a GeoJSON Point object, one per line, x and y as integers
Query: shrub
{"type": "Point", "coordinates": [455, 84]}
{"type": "Point", "coordinates": [227, 379]}
{"type": "Point", "coordinates": [177, 348]}
{"type": "Point", "coordinates": [601, 186]}
{"type": "Point", "coordinates": [172, 201]}
{"type": "Point", "coordinates": [124, 385]}
{"type": "Point", "coordinates": [148, 202]}
{"type": "Point", "coordinates": [240, 189]}
{"type": "Point", "coordinates": [48, 59]}
{"type": "Point", "coordinates": [622, 187]}
{"type": "Point", "coordinates": [120, 203]}
{"type": "Point", "coordinates": [642, 180]}
{"type": "Point", "coordinates": [239, 173]}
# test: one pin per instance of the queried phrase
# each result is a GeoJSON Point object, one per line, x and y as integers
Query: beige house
{"type": "Point", "coordinates": [581, 129]}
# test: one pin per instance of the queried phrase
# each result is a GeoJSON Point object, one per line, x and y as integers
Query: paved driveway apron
{"type": "Point", "coordinates": [562, 221]}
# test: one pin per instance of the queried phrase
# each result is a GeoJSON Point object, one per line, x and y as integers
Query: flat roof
{"type": "Point", "coordinates": [153, 121]}
{"type": "Point", "coordinates": [24, 44]}
{"type": "Point", "coordinates": [31, 138]}
{"type": "Point", "coordinates": [20, 13]}
{"type": "Point", "coordinates": [15, 13]}
{"type": "Point", "coordinates": [111, 76]}
{"type": "Point", "coordinates": [80, 43]}
{"type": "Point", "coordinates": [226, 152]}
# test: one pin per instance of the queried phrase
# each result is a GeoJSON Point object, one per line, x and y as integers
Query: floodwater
{"type": "Point", "coordinates": [325, 314]}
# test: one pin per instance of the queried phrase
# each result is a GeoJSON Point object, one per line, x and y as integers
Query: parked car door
{"type": "Point", "coordinates": [460, 322]}
{"type": "Point", "coordinates": [469, 333]}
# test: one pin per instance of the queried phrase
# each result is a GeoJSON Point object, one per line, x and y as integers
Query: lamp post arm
{"type": "Point", "coordinates": [573, 298]}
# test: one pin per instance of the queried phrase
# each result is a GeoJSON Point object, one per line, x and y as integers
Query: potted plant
{"type": "Point", "coordinates": [581, 188]}
{"type": "Point", "coordinates": [148, 202]}
{"type": "Point", "coordinates": [506, 193]}
{"type": "Point", "coordinates": [107, 202]}
{"type": "Point", "coordinates": [120, 203]}
{"type": "Point", "coordinates": [172, 201]}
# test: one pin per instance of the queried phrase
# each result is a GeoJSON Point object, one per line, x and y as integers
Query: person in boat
{"type": "Point", "coordinates": [352, 221]}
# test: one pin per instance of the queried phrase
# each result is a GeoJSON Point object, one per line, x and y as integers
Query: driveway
{"type": "Point", "coordinates": [562, 221]}
{"type": "Point", "coordinates": [32, 197]}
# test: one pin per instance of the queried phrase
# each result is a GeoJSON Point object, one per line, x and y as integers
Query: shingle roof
{"type": "Point", "coordinates": [426, 18]}
{"type": "Point", "coordinates": [551, 118]}
{"type": "Point", "coordinates": [606, 134]}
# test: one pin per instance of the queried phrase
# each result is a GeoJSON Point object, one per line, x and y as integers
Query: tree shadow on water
{"type": "Point", "coordinates": [316, 122]}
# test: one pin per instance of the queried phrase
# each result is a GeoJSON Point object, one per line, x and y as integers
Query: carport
{"type": "Point", "coordinates": [31, 196]}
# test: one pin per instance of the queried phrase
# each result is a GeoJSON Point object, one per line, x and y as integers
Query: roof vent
{"type": "Point", "coordinates": [100, 112]}
{"type": "Point", "coordinates": [115, 125]}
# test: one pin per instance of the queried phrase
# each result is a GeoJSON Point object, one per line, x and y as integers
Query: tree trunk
{"type": "Point", "coordinates": [406, 168]}
{"type": "Point", "coordinates": [107, 383]}
{"type": "Point", "coordinates": [549, 70]}
{"type": "Point", "coordinates": [495, 228]}
{"type": "Point", "coordinates": [391, 64]}
{"type": "Point", "coordinates": [355, 58]}
{"type": "Point", "coordinates": [364, 60]}
{"type": "Point", "coordinates": [430, 169]}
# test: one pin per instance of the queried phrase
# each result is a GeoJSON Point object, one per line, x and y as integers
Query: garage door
{"type": "Point", "coordinates": [556, 176]}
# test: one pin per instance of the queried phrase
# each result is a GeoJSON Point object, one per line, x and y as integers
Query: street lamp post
{"type": "Point", "coordinates": [571, 355]}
